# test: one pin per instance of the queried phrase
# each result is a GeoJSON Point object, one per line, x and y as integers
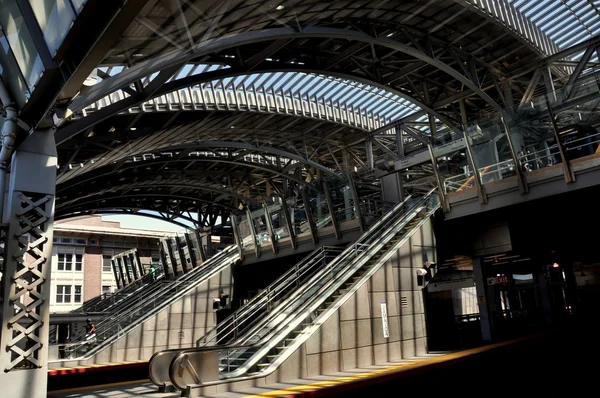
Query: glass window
{"type": "Point", "coordinates": [64, 262]}
{"type": "Point", "coordinates": [78, 5]}
{"type": "Point", "coordinates": [105, 289]}
{"type": "Point", "coordinates": [106, 263]}
{"type": "Point", "coordinates": [12, 73]}
{"type": "Point", "coordinates": [21, 42]}
{"type": "Point", "coordinates": [77, 295]}
{"type": "Point", "coordinates": [80, 241]}
{"type": "Point", "coordinates": [55, 17]}
{"type": "Point", "coordinates": [78, 262]}
{"type": "Point", "coordinates": [65, 240]}
{"type": "Point", "coordinates": [63, 293]}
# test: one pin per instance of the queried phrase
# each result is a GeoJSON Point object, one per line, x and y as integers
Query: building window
{"type": "Point", "coordinates": [105, 289]}
{"type": "Point", "coordinates": [70, 262]}
{"type": "Point", "coordinates": [106, 263]}
{"type": "Point", "coordinates": [68, 294]}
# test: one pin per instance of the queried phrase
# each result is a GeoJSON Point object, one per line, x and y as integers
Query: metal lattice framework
{"type": "Point", "coordinates": [334, 86]}
{"type": "Point", "coordinates": [26, 295]}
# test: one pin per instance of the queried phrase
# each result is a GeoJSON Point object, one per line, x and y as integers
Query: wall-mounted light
{"type": "Point", "coordinates": [555, 265]}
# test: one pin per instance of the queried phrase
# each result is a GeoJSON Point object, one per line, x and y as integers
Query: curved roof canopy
{"type": "Point", "coordinates": [224, 101]}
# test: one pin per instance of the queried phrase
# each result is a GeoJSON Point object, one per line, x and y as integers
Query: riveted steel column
{"type": "Point", "coordinates": [270, 228]}
{"type": "Point", "coordinates": [357, 208]}
{"type": "Point", "coordinates": [181, 254]}
{"type": "Point", "coordinates": [236, 236]}
{"type": "Point", "coordinates": [513, 153]}
{"type": "Point", "coordinates": [309, 217]}
{"type": "Point", "coordinates": [190, 246]}
{"type": "Point", "coordinates": [129, 259]}
{"type": "Point", "coordinates": [176, 269]}
{"type": "Point", "coordinates": [567, 169]}
{"type": "Point", "coordinates": [141, 268]}
{"type": "Point", "coordinates": [116, 273]}
{"type": "Point", "coordinates": [288, 221]}
{"type": "Point", "coordinates": [253, 232]}
{"type": "Point", "coordinates": [334, 220]}
{"type": "Point", "coordinates": [200, 247]}
{"type": "Point", "coordinates": [163, 258]}
{"type": "Point", "coordinates": [25, 285]}
{"type": "Point", "coordinates": [471, 156]}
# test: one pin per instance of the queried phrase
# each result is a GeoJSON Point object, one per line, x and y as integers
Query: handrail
{"type": "Point", "coordinates": [315, 297]}
{"type": "Point", "coordinates": [111, 325]}
{"type": "Point", "coordinates": [232, 323]}
{"type": "Point", "coordinates": [340, 271]}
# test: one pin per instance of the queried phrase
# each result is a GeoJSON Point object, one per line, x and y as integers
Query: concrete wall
{"type": "Point", "coordinates": [352, 336]}
{"type": "Point", "coordinates": [177, 326]}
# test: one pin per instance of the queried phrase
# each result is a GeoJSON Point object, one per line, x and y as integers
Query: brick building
{"type": "Point", "coordinates": [83, 247]}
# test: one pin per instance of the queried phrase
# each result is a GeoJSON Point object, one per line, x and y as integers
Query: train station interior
{"type": "Point", "coordinates": [368, 196]}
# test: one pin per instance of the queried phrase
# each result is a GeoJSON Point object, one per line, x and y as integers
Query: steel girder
{"type": "Point", "coordinates": [436, 57]}
{"type": "Point", "coordinates": [172, 218]}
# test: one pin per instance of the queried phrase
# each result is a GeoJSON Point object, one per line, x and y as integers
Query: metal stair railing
{"type": "Point", "coordinates": [346, 258]}
{"type": "Point", "coordinates": [146, 303]}
{"type": "Point", "coordinates": [238, 322]}
{"type": "Point", "coordinates": [105, 301]}
{"type": "Point", "coordinates": [319, 293]}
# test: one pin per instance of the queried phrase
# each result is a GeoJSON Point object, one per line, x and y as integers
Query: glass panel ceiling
{"type": "Point", "coordinates": [344, 93]}
{"type": "Point", "coordinates": [566, 22]}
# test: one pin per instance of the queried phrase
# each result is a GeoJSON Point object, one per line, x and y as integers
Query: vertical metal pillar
{"type": "Point", "coordinates": [136, 255]}
{"type": "Point", "coordinates": [133, 266]}
{"type": "Point", "coordinates": [471, 156]}
{"type": "Point", "coordinates": [163, 258]}
{"type": "Point", "coordinates": [482, 299]}
{"type": "Point", "coordinates": [288, 220]}
{"type": "Point", "coordinates": [200, 248]}
{"type": "Point", "coordinates": [124, 269]}
{"type": "Point", "coordinates": [399, 141]}
{"type": "Point", "coordinates": [567, 169]}
{"type": "Point", "coordinates": [270, 228]}
{"type": "Point", "coordinates": [25, 290]}
{"type": "Point", "coordinates": [369, 150]}
{"type": "Point", "coordinates": [117, 266]}
{"type": "Point", "coordinates": [181, 254]}
{"type": "Point", "coordinates": [116, 272]}
{"type": "Point", "coordinates": [334, 220]}
{"type": "Point", "coordinates": [513, 153]}
{"type": "Point", "coordinates": [177, 270]}
{"type": "Point", "coordinates": [357, 209]}
{"type": "Point", "coordinates": [190, 246]}
{"type": "Point", "coordinates": [236, 236]}
{"type": "Point", "coordinates": [309, 216]}
{"type": "Point", "coordinates": [253, 232]}
{"type": "Point", "coordinates": [438, 178]}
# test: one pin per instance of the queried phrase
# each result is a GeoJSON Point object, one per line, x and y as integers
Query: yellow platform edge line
{"type": "Point", "coordinates": [390, 369]}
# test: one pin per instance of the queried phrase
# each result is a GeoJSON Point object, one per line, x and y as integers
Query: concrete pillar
{"type": "Point", "coordinates": [483, 300]}
{"type": "Point", "coordinates": [26, 278]}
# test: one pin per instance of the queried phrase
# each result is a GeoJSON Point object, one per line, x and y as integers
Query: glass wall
{"type": "Point", "coordinates": [55, 18]}
{"type": "Point", "coordinates": [16, 41]}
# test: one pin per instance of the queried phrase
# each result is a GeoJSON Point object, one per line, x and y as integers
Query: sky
{"type": "Point", "coordinates": [141, 222]}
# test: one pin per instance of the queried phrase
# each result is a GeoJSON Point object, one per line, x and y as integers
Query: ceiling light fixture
{"type": "Point", "coordinates": [280, 7]}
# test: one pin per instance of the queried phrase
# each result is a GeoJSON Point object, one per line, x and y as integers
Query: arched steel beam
{"type": "Point", "coordinates": [159, 184]}
{"type": "Point", "coordinates": [146, 195]}
{"type": "Point", "coordinates": [223, 144]}
{"type": "Point", "coordinates": [176, 58]}
{"type": "Point", "coordinates": [59, 216]}
{"type": "Point", "coordinates": [183, 160]}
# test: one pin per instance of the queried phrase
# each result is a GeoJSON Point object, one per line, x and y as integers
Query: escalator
{"type": "Point", "coordinates": [144, 303]}
{"type": "Point", "coordinates": [276, 336]}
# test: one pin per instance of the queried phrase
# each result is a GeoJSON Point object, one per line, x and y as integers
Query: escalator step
{"type": "Point", "coordinates": [329, 303]}
{"type": "Point", "coordinates": [280, 348]}
{"type": "Point", "coordinates": [263, 364]}
{"type": "Point", "coordinates": [272, 356]}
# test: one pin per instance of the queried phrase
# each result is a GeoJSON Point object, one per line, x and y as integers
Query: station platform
{"type": "Point", "coordinates": [434, 373]}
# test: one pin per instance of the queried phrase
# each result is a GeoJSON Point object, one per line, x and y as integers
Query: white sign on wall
{"type": "Point", "coordinates": [384, 320]}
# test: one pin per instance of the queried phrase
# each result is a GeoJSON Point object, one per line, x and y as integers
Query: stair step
{"type": "Point", "coordinates": [272, 356]}
{"type": "Point", "coordinates": [263, 364]}
{"type": "Point", "coordinates": [280, 348]}
{"type": "Point", "coordinates": [288, 339]}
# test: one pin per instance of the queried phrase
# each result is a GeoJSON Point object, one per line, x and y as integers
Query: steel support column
{"type": "Point", "coordinates": [471, 157]}
{"type": "Point", "coordinates": [116, 273]}
{"type": "Point", "coordinates": [438, 178]}
{"type": "Point", "coordinates": [567, 169]}
{"type": "Point", "coordinates": [513, 153]}
{"type": "Point", "coordinates": [190, 246]}
{"type": "Point", "coordinates": [136, 255]}
{"type": "Point", "coordinates": [25, 292]}
{"type": "Point", "coordinates": [270, 228]}
{"type": "Point", "coordinates": [181, 254]}
{"type": "Point", "coordinates": [163, 258]}
{"type": "Point", "coordinates": [309, 216]}
{"type": "Point", "coordinates": [177, 270]}
{"type": "Point", "coordinates": [357, 208]}
{"type": "Point", "coordinates": [129, 258]}
{"type": "Point", "coordinates": [288, 221]}
{"type": "Point", "coordinates": [334, 220]}
{"type": "Point", "coordinates": [236, 236]}
{"type": "Point", "coordinates": [200, 248]}
{"type": "Point", "coordinates": [253, 232]}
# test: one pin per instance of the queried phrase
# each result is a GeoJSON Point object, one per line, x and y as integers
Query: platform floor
{"type": "Point", "coordinates": [147, 389]}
